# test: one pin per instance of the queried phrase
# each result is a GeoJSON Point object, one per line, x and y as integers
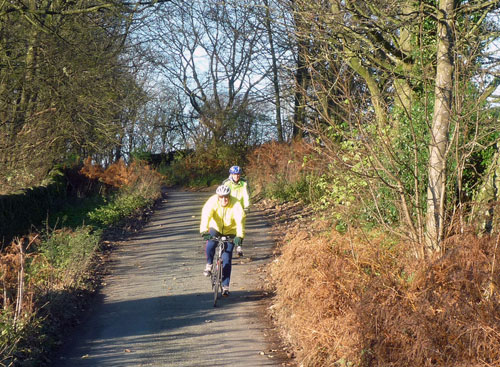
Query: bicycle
{"type": "Point", "coordinates": [216, 272]}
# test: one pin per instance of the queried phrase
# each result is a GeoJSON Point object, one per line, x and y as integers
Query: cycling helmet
{"type": "Point", "coordinates": [235, 170]}
{"type": "Point", "coordinates": [223, 190]}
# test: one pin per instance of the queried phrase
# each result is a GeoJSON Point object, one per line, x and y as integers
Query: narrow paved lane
{"type": "Point", "coordinates": [157, 308]}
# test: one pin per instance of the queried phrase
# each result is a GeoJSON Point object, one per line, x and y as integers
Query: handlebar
{"type": "Point", "coordinates": [223, 238]}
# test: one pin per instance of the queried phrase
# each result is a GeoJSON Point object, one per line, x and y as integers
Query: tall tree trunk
{"type": "Point", "coordinates": [488, 195]}
{"type": "Point", "coordinates": [277, 98]}
{"type": "Point", "coordinates": [402, 88]}
{"type": "Point", "coordinates": [299, 116]}
{"type": "Point", "coordinates": [438, 145]}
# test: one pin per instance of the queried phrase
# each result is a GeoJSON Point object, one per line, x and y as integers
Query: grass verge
{"type": "Point", "coordinates": [47, 278]}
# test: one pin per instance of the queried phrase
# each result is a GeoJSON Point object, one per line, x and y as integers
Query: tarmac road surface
{"type": "Point", "coordinates": [156, 307]}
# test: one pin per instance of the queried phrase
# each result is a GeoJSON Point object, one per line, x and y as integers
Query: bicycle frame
{"type": "Point", "coordinates": [216, 277]}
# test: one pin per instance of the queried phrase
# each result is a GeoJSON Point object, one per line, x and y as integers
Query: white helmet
{"type": "Point", "coordinates": [223, 190]}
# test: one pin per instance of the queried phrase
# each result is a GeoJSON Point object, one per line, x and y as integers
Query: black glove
{"type": "Point", "coordinates": [206, 236]}
{"type": "Point", "coordinates": [238, 241]}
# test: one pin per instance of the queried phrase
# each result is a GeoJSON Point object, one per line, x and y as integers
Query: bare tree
{"type": "Point", "coordinates": [64, 82]}
{"type": "Point", "coordinates": [440, 125]}
{"type": "Point", "coordinates": [160, 126]}
{"type": "Point", "coordinates": [212, 51]}
{"type": "Point", "coordinates": [375, 83]}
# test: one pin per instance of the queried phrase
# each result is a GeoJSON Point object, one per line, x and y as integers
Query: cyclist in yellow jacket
{"type": "Point", "coordinates": [223, 215]}
{"type": "Point", "coordinates": [239, 190]}
{"type": "Point", "coordinates": [238, 186]}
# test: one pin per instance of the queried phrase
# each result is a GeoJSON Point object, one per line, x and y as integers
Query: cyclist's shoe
{"type": "Point", "coordinates": [239, 251]}
{"type": "Point", "coordinates": [225, 291]}
{"type": "Point", "coordinates": [208, 270]}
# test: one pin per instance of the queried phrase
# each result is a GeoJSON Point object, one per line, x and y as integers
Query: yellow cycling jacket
{"type": "Point", "coordinates": [228, 220]}
{"type": "Point", "coordinates": [239, 191]}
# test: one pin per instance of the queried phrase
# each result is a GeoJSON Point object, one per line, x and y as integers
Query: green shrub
{"type": "Point", "coordinates": [66, 249]}
{"type": "Point", "coordinates": [119, 207]}
{"type": "Point", "coordinates": [75, 213]}
{"type": "Point", "coordinates": [141, 154]}
{"type": "Point", "coordinates": [284, 191]}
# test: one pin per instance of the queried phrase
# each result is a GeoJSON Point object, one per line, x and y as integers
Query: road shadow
{"type": "Point", "coordinates": [120, 329]}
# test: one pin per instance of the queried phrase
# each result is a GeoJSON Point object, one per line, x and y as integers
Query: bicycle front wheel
{"type": "Point", "coordinates": [217, 279]}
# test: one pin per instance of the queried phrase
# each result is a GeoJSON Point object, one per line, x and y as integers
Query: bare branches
{"type": "Point", "coordinates": [67, 85]}
{"type": "Point", "coordinates": [212, 51]}
{"type": "Point", "coordinates": [376, 80]}
{"type": "Point", "coordinates": [22, 7]}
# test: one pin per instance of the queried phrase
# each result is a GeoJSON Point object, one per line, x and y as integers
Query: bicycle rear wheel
{"type": "Point", "coordinates": [217, 280]}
